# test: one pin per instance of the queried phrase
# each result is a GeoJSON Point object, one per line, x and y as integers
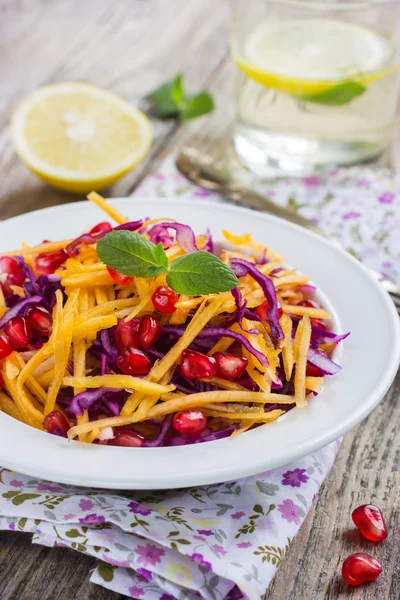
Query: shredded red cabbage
{"type": "Point", "coordinates": [242, 267]}
{"type": "Point", "coordinates": [19, 308]}
{"type": "Point", "coordinates": [241, 312]}
{"type": "Point", "coordinates": [184, 235]}
{"type": "Point", "coordinates": [208, 436]}
{"type": "Point", "coordinates": [219, 332]}
{"type": "Point", "coordinates": [158, 441]}
{"type": "Point", "coordinates": [86, 399]}
{"type": "Point", "coordinates": [322, 362]}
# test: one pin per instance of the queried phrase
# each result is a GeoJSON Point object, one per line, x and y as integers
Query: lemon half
{"type": "Point", "coordinates": [77, 137]}
{"type": "Point", "coordinates": [310, 56]}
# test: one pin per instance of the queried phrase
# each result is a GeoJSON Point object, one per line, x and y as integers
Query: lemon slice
{"type": "Point", "coordinates": [310, 56]}
{"type": "Point", "coordinates": [78, 137]}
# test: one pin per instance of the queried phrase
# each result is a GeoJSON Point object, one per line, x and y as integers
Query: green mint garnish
{"type": "Point", "coordinates": [196, 274]}
{"type": "Point", "coordinates": [338, 95]}
{"type": "Point", "coordinates": [132, 254]}
{"type": "Point", "coordinates": [171, 101]}
{"type": "Point", "coordinates": [200, 273]}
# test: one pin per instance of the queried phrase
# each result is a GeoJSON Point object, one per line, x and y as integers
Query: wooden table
{"type": "Point", "coordinates": [129, 47]}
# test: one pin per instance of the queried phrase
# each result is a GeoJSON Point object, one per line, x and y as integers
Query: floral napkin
{"type": "Point", "coordinates": [224, 540]}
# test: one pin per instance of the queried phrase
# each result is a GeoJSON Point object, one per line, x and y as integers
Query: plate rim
{"type": "Point", "coordinates": [230, 472]}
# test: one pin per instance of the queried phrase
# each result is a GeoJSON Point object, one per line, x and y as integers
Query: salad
{"type": "Point", "coordinates": [145, 334]}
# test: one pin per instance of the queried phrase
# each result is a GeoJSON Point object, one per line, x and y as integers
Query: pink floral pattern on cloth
{"type": "Point", "coordinates": [224, 540]}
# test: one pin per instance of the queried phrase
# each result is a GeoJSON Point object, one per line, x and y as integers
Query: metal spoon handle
{"type": "Point", "coordinates": [256, 201]}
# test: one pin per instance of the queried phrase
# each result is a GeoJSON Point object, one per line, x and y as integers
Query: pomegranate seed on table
{"type": "Point", "coordinates": [150, 328]}
{"type": "Point", "coordinates": [134, 362]}
{"type": "Point", "coordinates": [18, 331]}
{"type": "Point", "coordinates": [127, 438]}
{"type": "Point", "coordinates": [14, 274]}
{"type": "Point", "coordinates": [6, 346]}
{"type": "Point", "coordinates": [164, 299]}
{"type": "Point", "coordinates": [118, 277]}
{"type": "Point", "coordinates": [127, 334]}
{"type": "Point", "coordinates": [39, 319]}
{"type": "Point", "coordinates": [196, 365]}
{"type": "Point", "coordinates": [359, 568]}
{"type": "Point", "coordinates": [102, 227]}
{"type": "Point", "coordinates": [189, 422]}
{"type": "Point", "coordinates": [46, 264]}
{"type": "Point", "coordinates": [230, 366]}
{"type": "Point", "coordinates": [56, 420]}
{"type": "Point", "coordinates": [370, 521]}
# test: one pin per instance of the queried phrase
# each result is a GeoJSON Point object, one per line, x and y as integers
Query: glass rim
{"type": "Point", "coordinates": [336, 5]}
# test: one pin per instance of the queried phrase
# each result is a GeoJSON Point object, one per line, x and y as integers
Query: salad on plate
{"type": "Point", "coordinates": [144, 334]}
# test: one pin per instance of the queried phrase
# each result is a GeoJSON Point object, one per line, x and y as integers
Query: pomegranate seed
{"type": "Point", "coordinates": [118, 277]}
{"type": "Point", "coordinates": [10, 267]}
{"type": "Point", "coordinates": [230, 366]}
{"type": "Point", "coordinates": [261, 311]}
{"type": "Point", "coordinates": [359, 568]}
{"type": "Point", "coordinates": [18, 331]}
{"type": "Point", "coordinates": [370, 521]}
{"type": "Point", "coordinates": [196, 365]}
{"type": "Point", "coordinates": [39, 319]}
{"type": "Point", "coordinates": [128, 438]}
{"type": "Point", "coordinates": [6, 346]}
{"type": "Point", "coordinates": [102, 227]}
{"type": "Point", "coordinates": [134, 362]}
{"type": "Point", "coordinates": [127, 334]}
{"type": "Point", "coordinates": [312, 371]}
{"type": "Point", "coordinates": [46, 264]}
{"type": "Point", "coordinates": [164, 299]}
{"type": "Point", "coordinates": [189, 422]}
{"type": "Point", "coordinates": [150, 328]}
{"type": "Point", "coordinates": [318, 323]}
{"type": "Point", "coordinates": [56, 420]}
{"type": "Point", "coordinates": [1, 381]}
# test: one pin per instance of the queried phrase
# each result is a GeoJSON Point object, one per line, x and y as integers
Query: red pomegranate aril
{"type": "Point", "coordinates": [312, 371]}
{"type": "Point", "coordinates": [230, 366]}
{"type": "Point", "coordinates": [134, 362]}
{"type": "Point", "coordinates": [6, 346]}
{"type": "Point", "coordinates": [196, 365]}
{"type": "Point", "coordinates": [127, 334]}
{"type": "Point", "coordinates": [18, 331]}
{"type": "Point", "coordinates": [318, 323]}
{"type": "Point", "coordinates": [370, 521]}
{"type": "Point", "coordinates": [150, 328]}
{"type": "Point", "coordinates": [164, 299]}
{"type": "Point", "coordinates": [46, 264]}
{"type": "Point", "coordinates": [102, 227]}
{"type": "Point", "coordinates": [56, 420]}
{"type": "Point", "coordinates": [359, 568]}
{"type": "Point", "coordinates": [14, 274]}
{"type": "Point", "coordinates": [189, 422]}
{"type": "Point", "coordinates": [127, 438]}
{"type": "Point", "coordinates": [118, 277]}
{"type": "Point", "coordinates": [261, 311]}
{"type": "Point", "coordinates": [39, 319]}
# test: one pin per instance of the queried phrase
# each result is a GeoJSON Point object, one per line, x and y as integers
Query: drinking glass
{"type": "Point", "coordinates": [316, 82]}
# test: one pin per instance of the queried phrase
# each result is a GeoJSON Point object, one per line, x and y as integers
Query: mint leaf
{"type": "Point", "coordinates": [197, 105]}
{"type": "Point", "coordinates": [168, 97]}
{"type": "Point", "coordinates": [170, 100]}
{"type": "Point", "coordinates": [340, 94]}
{"type": "Point", "coordinates": [200, 273]}
{"type": "Point", "coordinates": [132, 254]}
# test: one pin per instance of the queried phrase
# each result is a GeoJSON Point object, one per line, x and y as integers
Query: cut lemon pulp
{"type": "Point", "coordinates": [310, 56]}
{"type": "Point", "coordinates": [78, 137]}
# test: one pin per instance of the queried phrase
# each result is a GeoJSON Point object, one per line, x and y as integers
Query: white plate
{"type": "Point", "coordinates": [369, 357]}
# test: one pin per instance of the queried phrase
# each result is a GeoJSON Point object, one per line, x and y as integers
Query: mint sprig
{"type": "Point", "coordinates": [338, 95]}
{"type": "Point", "coordinates": [195, 274]}
{"type": "Point", "coordinates": [171, 101]}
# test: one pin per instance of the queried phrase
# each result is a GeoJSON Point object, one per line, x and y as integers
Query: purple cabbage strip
{"type": "Point", "coordinates": [209, 436]}
{"type": "Point", "coordinates": [59, 432]}
{"type": "Point", "coordinates": [130, 225]}
{"type": "Point", "coordinates": [84, 400]}
{"type": "Point", "coordinates": [322, 362]}
{"type": "Point", "coordinates": [323, 336]}
{"type": "Point", "coordinates": [209, 247]}
{"type": "Point", "coordinates": [158, 441]}
{"type": "Point", "coordinates": [48, 285]}
{"type": "Point", "coordinates": [219, 332]}
{"type": "Point", "coordinates": [241, 311]}
{"type": "Point", "coordinates": [88, 238]}
{"type": "Point", "coordinates": [307, 289]}
{"type": "Point", "coordinates": [104, 365]}
{"type": "Point", "coordinates": [31, 287]}
{"type": "Point", "coordinates": [184, 235]}
{"type": "Point", "coordinates": [19, 308]}
{"type": "Point", "coordinates": [242, 267]}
